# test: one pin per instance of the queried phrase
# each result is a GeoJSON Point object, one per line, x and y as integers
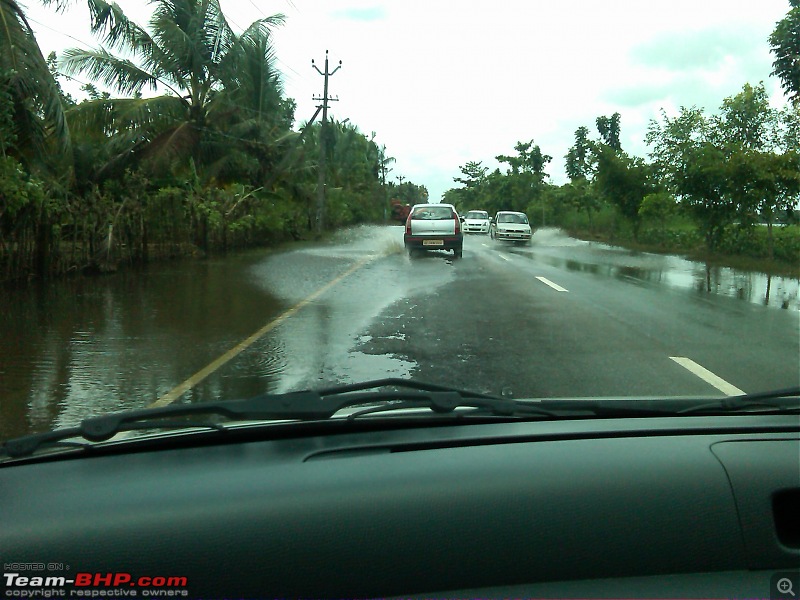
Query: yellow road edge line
{"type": "Point", "coordinates": [192, 381]}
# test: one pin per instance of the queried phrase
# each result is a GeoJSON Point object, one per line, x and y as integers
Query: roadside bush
{"type": "Point", "coordinates": [674, 240]}
{"type": "Point", "coordinates": [787, 244]}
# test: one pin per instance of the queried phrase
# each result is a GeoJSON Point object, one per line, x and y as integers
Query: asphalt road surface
{"type": "Point", "coordinates": [559, 318]}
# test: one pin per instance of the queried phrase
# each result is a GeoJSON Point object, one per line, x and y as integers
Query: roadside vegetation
{"type": "Point", "coordinates": [721, 187]}
{"type": "Point", "coordinates": [194, 150]}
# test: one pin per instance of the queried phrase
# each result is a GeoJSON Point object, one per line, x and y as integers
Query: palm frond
{"type": "Point", "coordinates": [194, 36]}
{"type": "Point", "coordinates": [174, 144]}
{"type": "Point", "coordinates": [28, 78]}
{"type": "Point", "coordinates": [60, 4]}
{"type": "Point", "coordinates": [262, 28]}
{"type": "Point", "coordinates": [118, 30]}
{"type": "Point", "coordinates": [139, 118]}
{"type": "Point", "coordinates": [251, 81]}
{"type": "Point", "coordinates": [117, 73]}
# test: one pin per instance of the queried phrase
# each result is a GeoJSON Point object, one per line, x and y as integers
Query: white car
{"type": "Point", "coordinates": [476, 221]}
{"type": "Point", "coordinates": [513, 226]}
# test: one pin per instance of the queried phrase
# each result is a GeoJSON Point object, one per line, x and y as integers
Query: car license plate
{"type": "Point", "coordinates": [433, 242]}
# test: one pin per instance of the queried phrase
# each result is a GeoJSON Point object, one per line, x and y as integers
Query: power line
{"type": "Point", "coordinates": [72, 37]}
{"type": "Point", "coordinates": [258, 8]}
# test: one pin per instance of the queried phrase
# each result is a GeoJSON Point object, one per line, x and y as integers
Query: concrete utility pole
{"type": "Point", "coordinates": [321, 166]}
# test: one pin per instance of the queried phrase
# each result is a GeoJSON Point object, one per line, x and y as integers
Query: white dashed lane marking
{"type": "Point", "coordinates": [555, 286]}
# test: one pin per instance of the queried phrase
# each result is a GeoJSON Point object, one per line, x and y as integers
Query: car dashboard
{"type": "Point", "coordinates": [644, 507]}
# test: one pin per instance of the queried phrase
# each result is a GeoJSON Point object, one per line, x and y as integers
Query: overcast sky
{"type": "Point", "coordinates": [444, 82]}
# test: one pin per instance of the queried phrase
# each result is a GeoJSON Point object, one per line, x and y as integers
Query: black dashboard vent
{"type": "Point", "coordinates": [786, 508]}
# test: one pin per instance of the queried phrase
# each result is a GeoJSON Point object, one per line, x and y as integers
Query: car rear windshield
{"type": "Point", "coordinates": [512, 219]}
{"type": "Point", "coordinates": [433, 213]}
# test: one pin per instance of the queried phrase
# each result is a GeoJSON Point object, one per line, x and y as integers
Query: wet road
{"type": "Point", "coordinates": [559, 318]}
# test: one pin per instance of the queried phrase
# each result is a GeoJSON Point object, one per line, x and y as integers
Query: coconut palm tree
{"type": "Point", "coordinates": [186, 58]}
{"type": "Point", "coordinates": [31, 113]}
{"type": "Point", "coordinates": [251, 109]}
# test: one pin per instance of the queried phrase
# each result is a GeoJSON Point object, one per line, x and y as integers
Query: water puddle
{"type": "Point", "coordinates": [552, 247]}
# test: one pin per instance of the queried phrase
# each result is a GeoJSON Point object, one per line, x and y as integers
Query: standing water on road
{"type": "Point", "coordinates": [553, 247]}
{"type": "Point", "coordinates": [84, 346]}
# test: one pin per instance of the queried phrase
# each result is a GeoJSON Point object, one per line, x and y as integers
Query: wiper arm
{"type": "Point", "coordinates": [307, 405]}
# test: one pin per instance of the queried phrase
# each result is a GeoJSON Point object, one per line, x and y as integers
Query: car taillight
{"type": "Point", "coordinates": [458, 224]}
{"type": "Point", "coordinates": [408, 225]}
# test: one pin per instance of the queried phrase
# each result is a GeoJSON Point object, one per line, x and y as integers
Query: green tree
{"type": "Point", "coordinates": [581, 194]}
{"type": "Point", "coordinates": [455, 196]}
{"type": "Point", "coordinates": [411, 193]}
{"type": "Point", "coordinates": [529, 159]}
{"type": "Point", "coordinates": [623, 181]}
{"type": "Point", "coordinates": [473, 180]}
{"type": "Point", "coordinates": [658, 206]}
{"type": "Point", "coordinates": [738, 166]}
{"type": "Point", "coordinates": [578, 157]}
{"type": "Point", "coordinates": [705, 185]}
{"type": "Point", "coordinates": [673, 139]}
{"type": "Point", "coordinates": [694, 169]}
{"type": "Point", "coordinates": [785, 45]}
{"type": "Point", "coordinates": [190, 57]}
{"type": "Point", "coordinates": [525, 178]}
{"type": "Point", "coordinates": [747, 121]}
{"type": "Point", "coordinates": [765, 185]}
{"type": "Point", "coordinates": [609, 129]}
{"type": "Point", "coordinates": [38, 132]}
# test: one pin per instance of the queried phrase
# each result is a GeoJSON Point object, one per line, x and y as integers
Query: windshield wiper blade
{"type": "Point", "coordinates": [759, 402]}
{"type": "Point", "coordinates": [295, 405]}
{"type": "Point", "coordinates": [322, 404]}
{"type": "Point", "coordinates": [307, 405]}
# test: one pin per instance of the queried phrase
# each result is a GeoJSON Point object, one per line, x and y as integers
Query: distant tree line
{"type": "Point", "coordinates": [721, 180]}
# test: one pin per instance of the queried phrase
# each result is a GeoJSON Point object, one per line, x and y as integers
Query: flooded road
{"type": "Point", "coordinates": [603, 260]}
{"type": "Point", "coordinates": [356, 307]}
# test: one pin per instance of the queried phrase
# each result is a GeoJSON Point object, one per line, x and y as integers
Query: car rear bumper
{"type": "Point", "coordinates": [431, 242]}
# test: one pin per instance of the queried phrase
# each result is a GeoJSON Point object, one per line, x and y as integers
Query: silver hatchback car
{"type": "Point", "coordinates": [434, 227]}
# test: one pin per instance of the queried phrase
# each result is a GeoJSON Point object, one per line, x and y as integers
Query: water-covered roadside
{"type": "Point", "coordinates": [557, 248]}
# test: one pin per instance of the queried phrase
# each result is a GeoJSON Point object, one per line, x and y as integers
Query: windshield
{"type": "Point", "coordinates": [432, 213]}
{"type": "Point", "coordinates": [511, 218]}
{"type": "Point", "coordinates": [217, 207]}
